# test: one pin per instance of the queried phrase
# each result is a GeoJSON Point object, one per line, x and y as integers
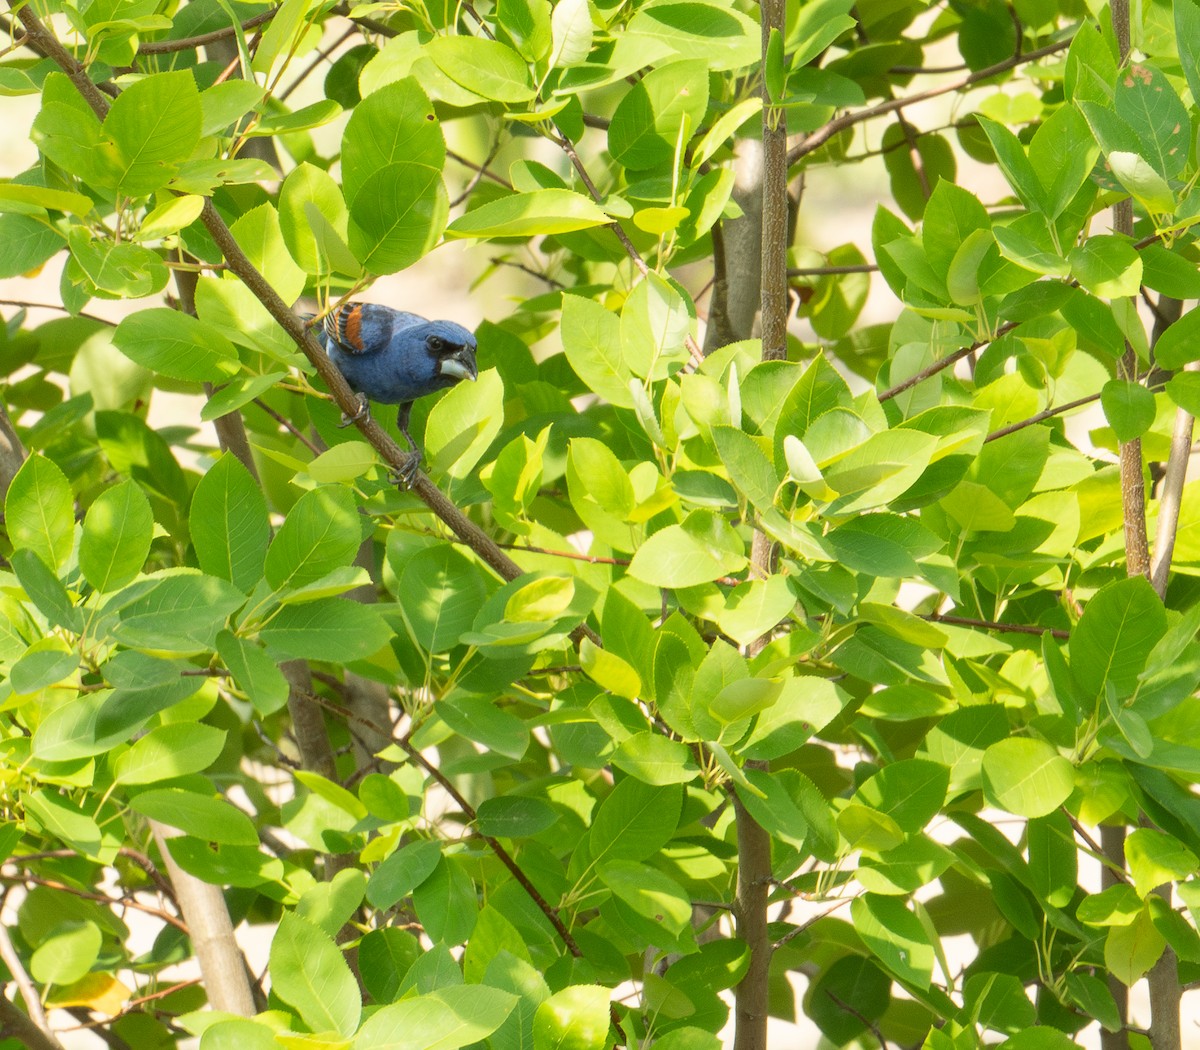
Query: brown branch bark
{"type": "Point", "coordinates": [19, 1026]}
{"type": "Point", "coordinates": [8, 954]}
{"type": "Point", "coordinates": [823, 134]}
{"type": "Point", "coordinates": [226, 981]}
{"type": "Point", "coordinates": [751, 997]}
{"type": "Point", "coordinates": [1163, 980]}
{"type": "Point", "coordinates": [166, 47]}
{"type": "Point", "coordinates": [12, 453]}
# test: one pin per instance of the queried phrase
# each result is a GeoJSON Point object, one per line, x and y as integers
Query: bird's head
{"type": "Point", "coordinates": [452, 349]}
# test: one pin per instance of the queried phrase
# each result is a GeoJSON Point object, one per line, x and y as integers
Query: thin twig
{"type": "Point", "coordinates": [458, 158]}
{"type": "Point", "coordinates": [536, 274]}
{"type": "Point", "coordinates": [480, 172]}
{"type": "Point", "coordinates": [321, 56]}
{"type": "Point", "coordinates": [289, 426]}
{"type": "Point", "coordinates": [1170, 497]}
{"type": "Point", "coordinates": [33, 1003]}
{"type": "Point", "coordinates": [830, 271]}
{"type": "Point", "coordinates": [992, 625]}
{"type": "Point", "coordinates": [166, 47]}
{"type": "Point", "coordinates": [1057, 410]}
{"type": "Point", "coordinates": [55, 306]}
{"type": "Point", "coordinates": [823, 134]}
{"type": "Point", "coordinates": [127, 901]}
{"type": "Point", "coordinates": [502, 854]}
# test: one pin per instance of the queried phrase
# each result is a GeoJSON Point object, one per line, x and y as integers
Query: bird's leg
{"type": "Point", "coordinates": [407, 471]}
{"type": "Point", "coordinates": [364, 410]}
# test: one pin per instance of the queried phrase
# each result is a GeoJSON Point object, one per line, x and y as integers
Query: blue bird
{"type": "Point", "coordinates": [394, 358]}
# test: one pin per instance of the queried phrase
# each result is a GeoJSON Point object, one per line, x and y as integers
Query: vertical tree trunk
{"type": "Point", "coordinates": [752, 995]}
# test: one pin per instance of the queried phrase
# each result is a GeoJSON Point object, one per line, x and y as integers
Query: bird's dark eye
{"type": "Point", "coordinates": [435, 343]}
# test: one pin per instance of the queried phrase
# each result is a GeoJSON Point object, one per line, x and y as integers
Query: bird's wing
{"type": "Point", "coordinates": [365, 328]}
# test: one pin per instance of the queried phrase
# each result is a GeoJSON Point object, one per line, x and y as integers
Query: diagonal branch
{"type": "Point", "coordinates": [823, 134]}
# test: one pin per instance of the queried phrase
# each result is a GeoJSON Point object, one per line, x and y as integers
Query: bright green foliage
{"type": "Point", "coordinates": [929, 697]}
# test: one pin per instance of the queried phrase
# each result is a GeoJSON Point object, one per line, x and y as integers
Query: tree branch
{"type": "Point", "coordinates": [166, 47]}
{"type": "Point", "coordinates": [21, 1027]}
{"type": "Point", "coordinates": [751, 996]}
{"type": "Point", "coordinates": [818, 138]}
{"type": "Point", "coordinates": [33, 1004]}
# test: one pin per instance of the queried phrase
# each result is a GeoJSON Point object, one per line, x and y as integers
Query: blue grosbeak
{"type": "Point", "coordinates": [394, 358]}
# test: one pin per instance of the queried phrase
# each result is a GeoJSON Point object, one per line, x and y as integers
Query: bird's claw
{"type": "Point", "coordinates": [364, 410]}
{"type": "Point", "coordinates": [405, 474]}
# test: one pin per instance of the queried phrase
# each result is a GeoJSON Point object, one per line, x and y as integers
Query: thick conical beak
{"type": "Point", "coordinates": [460, 364]}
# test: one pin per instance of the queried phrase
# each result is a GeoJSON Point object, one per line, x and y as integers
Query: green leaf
{"type": "Point", "coordinates": [515, 816]}
{"type": "Point", "coordinates": [447, 904]}
{"type": "Point", "coordinates": [851, 979]}
{"type": "Point", "coordinates": [1110, 644]}
{"type": "Point", "coordinates": [392, 125]}
{"type": "Point", "coordinates": [655, 759]}
{"type": "Point", "coordinates": [238, 393]}
{"type": "Point", "coordinates": [591, 338]}
{"type": "Point", "coordinates": [46, 590]}
{"type": "Point", "coordinates": [451, 591]}
{"type": "Point", "coordinates": [1146, 101]}
{"type": "Point", "coordinates": [39, 511]}
{"type": "Point", "coordinates": [609, 671]}
{"type": "Point", "coordinates": [747, 459]}
{"type": "Point", "coordinates": [321, 532]}
{"type": "Point", "coordinates": [634, 821]}
{"type": "Point", "coordinates": [397, 216]}
{"type": "Point", "coordinates": [1015, 165]}
{"type": "Point", "coordinates": [1180, 343]}
{"type": "Point", "coordinates": [46, 662]}
{"type": "Point", "coordinates": [659, 114]}
{"type": "Point", "coordinates": [528, 214]}
{"type": "Point", "coordinates": [260, 235]}
{"type": "Point", "coordinates": [176, 345]}
{"type": "Point", "coordinates": [489, 68]}
{"type": "Point", "coordinates": [169, 751]}
{"type": "Point", "coordinates": [895, 935]}
{"type": "Point", "coordinates": [255, 673]}
{"type": "Point", "coordinates": [1154, 857]}
{"type": "Point", "coordinates": [574, 1019]}
{"type": "Point", "coordinates": [463, 424]}
{"type": "Point", "coordinates": [334, 629]}
{"type": "Point", "coordinates": [313, 219]}
{"type": "Point", "coordinates": [725, 37]}
{"type": "Point", "coordinates": [1107, 266]}
{"type": "Point", "coordinates": [1130, 951]}
{"type": "Point", "coordinates": [648, 892]}
{"type": "Point", "coordinates": [117, 533]}
{"type": "Point", "coordinates": [153, 125]}
{"type": "Point", "coordinates": [170, 217]}
{"type": "Point", "coordinates": [1053, 863]}
{"type": "Point", "coordinates": [1187, 36]}
{"type": "Point", "coordinates": [1062, 154]}
{"type": "Point", "coordinates": [66, 955]}
{"type": "Point", "coordinates": [700, 550]}
{"type": "Point", "coordinates": [911, 792]}
{"type": "Point", "coordinates": [203, 816]}
{"type": "Point", "coordinates": [1027, 777]}
{"type": "Point", "coordinates": [309, 972]}
{"type": "Point", "coordinates": [229, 523]}
{"type": "Point", "coordinates": [223, 103]}
{"type": "Point", "coordinates": [446, 1019]}
{"type": "Point", "coordinates": [1128, 407]}
{"type": "Point", "coordinates": [952, 215]}
{"type": "Point", "coordinates": [1139, 178]}
{"type": "Point", "coordinates": [32, 200]}
{"type": "Point", "coordinates": [571, 33]}
{"type": "Point", "coordinates": [26, 242]}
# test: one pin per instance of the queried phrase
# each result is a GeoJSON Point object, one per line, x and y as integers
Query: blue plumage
{"type": "Point", "coordinates": [395, 357]}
